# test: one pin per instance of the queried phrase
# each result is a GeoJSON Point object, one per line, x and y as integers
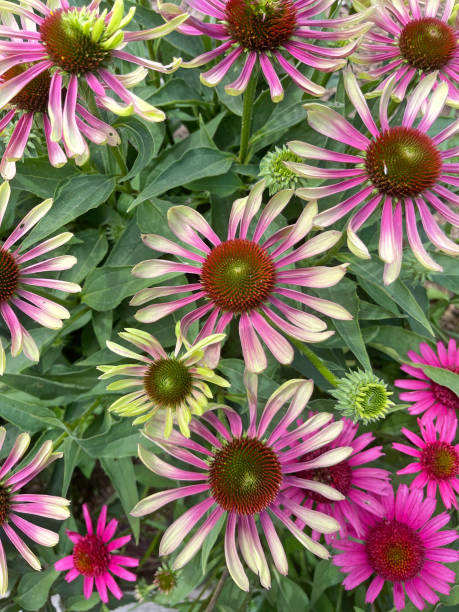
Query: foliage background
{"type": "Point", "coordinates": [190, 159]}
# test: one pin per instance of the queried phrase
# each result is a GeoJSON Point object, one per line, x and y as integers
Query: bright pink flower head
{"type": "Point", "coordinates": [437, 458]}
{"type": "Point", "coordinates": [361, 486]}
{"type": "Point", "coordinates": [18, 277]}
{"type": "Point", "coordinates": [30, 106]}
{"type": "Point", "coordinates": [244, 278]}
{"type": "Point", "coordinates": [243, 474]}
{"type": "Point", "coordinates": [264, 32]}
{"type": "Point", "coordinates": [425, 395]}
{"type": "Point", "coordinates": [411, 42]}
{"type": "Point", "coordinates": [58, 53]}
{"type": "Point", "coordinates": [406, 548]}
{"type": "Point", "coordinates": [93, 557]}
{"type": "Point", "coordinates": [397, 170]}
{"type": "Point", "coordinates": [13, 503]}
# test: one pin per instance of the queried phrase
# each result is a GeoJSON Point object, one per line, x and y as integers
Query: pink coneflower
{"type": "Point", "coordinates": [30, 106]}
{"type": "Point", "coordinates": [411, 42]}
{"type": "Point", "coordinates": [437, 458]}
{"type": "Point", "coordinates": [425, 395]}
{"type": "Point", "coordinates": [396, 168]}
{"type": "Point", "coordinates": [16, 280]}
{"type": "Point", "coordinates": [77, 47]}
{"type": "Point", "coordinates": [405, 548]}
{"type": "Point", "coordinates": [361, 486]}
{"type": "Point", "coordinates": [263, 32]}
{"type": "Point", "coordinates": [243, 475]}
{"type": "Point", "coordinates": [13, 503]}
{"type": "Point", "coordinates": [244, 278]}
{"type": "Point", "coordinates": [93, 557]}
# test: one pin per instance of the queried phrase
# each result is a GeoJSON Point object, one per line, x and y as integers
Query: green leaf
{"type": "Point", "coordinates": [193, 165]}
{"type": "Point", "coordinates": [345, 294]}
{"type": "Point", "coordinates": [122, 476]}
{"type": "Point", "coordinates": [146, 138]}
{"type": "Point", "coordinates": [81, 604]}
{"type": "Point", "coordinates": [34, 589]}
{"type": "Point", "coordinates": [446, 378]}
{"type": "Point", "coordinates": [44, 387]}
{"type": "Point", "coordinates": [371, 272]}
{"type": "Point", "coordinates": [89, 253]}
{"type": "Point", "coordinates": [325, 575]}
{"type": "Point", "coordinates": [113, 440]}
{"type": "Point", "coordinates": [290, 595]}
{"type": "Point", "coordinates": [74, 198]}
{"type": "Point", "coordinates": [27, 416]}
{"type": "Point", "coordinates": [392, 340]}
{"type": "Point", "coordinates": [39, 177]}
{"type": "Point", "coordinates": [105, 288]}
{"type": "Point", "coordinates": [209, 543]}
{"type": "Point", "coordinates": [71, 455]}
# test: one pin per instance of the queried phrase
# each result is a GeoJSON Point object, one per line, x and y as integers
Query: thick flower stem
{"type": "Point", "coordinates": [316, 362]}
{"type": "Point", "coordinates": [247, 115]}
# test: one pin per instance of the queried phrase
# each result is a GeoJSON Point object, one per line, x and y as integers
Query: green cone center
{"type": "Point", "coordinates": [167, 382]}
{"type": "Point", "coordinates": [245, 476]}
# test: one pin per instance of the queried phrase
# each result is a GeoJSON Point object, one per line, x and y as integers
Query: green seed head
{"type": "Point", "coordinates": [362, 396]}
{"type": "Point", "coordinates": [276, 174]}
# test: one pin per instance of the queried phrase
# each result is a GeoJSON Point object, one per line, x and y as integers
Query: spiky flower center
{"type": "Point", "coordinates": [165, 580]}
{"type": "Point", "coordinates": [427, 44]}
{"type": "Point", "coordinates": [276, 173]}
{"type": "Point", "coordinates": [167, 382]}
{"type": "Point", "coordinates": [440, 460]}
{"type": "Point", "coordinates": [371, 400]}
{"type": "Point", "coordinates": [260, 25]}
{"type": "Point", "coordinates": [4, 504]}
{"type": "Point", "coordinates": [338, 476]}
{"type": "Point", "coordinates": [403, 162]}
{"type": "Point", "coordinates": [245, 476]}
{"type": "Point", "coordinates": [90, 556]}
{"type": "Point", "coordinates": [238, 275]}
{"type": "Point", "coordinates": [445, 396]}
{"type": "Point", "coordinates": [395, 551]}
{"type": "Point", "coordinates": [9, 275]}
{"type": "Point", "coordinates": [67, 36]}
{"type": "Point", "coordinates": [34, 96]}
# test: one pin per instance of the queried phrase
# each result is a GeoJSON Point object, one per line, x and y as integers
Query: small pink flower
{"type": "Point", "coordinates": [264, 32]}
{"type": "Point", "coordinates": [425, 395]}
{"type": "Point", "coordinates": [93, 557]}
{"type": "Point", "coordinates": [437, 458]}
{"type": "Point", "coordinates": [246, 277]}
{"type": "Point", "coordinates": [411, 42]}
{"type": "Point", "coordinates": [395, 170]}
{"type": "Point", "coordinates": [361, 486]}
{"type": "Point", "coordinates": [405, 548]}
{"type": "Point", "coordinates": [18, 280]}
{"type": "Point", "coordinates": [13, 503]}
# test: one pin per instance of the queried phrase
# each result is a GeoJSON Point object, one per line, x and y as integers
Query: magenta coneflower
{"type": "Point", "coordinates": [17, 280]}
{"type": "Point", "coordinates": [437, 458]}
{"type": "Point", "coordinates": [425, 395]}
{"type": "Point", "coordinates": [243, 474]}
{"type": "Point", "coordinates": [411, 42]}
{"type": "Point", "coordinates": [76, 47]}
{"type": "Point", "coordinates": [405, 548]}
{"type": "Point", "coordinates": [94, 558]}
{"type": "Point", "coordinates": [13, 503]}
{"type": "Point", "coordinates": [264, 31]}
{"type": "Point", "coordinates": [361, 486]}
{"type": "Point", "coordinates": [31, 105]}
{"type": "Point", "coordinates": [396, 168]}
{"type": "Point", "coordinates": [244, 278]}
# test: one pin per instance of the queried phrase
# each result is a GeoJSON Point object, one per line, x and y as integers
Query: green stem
{"type": "Point", "coordinates": [218, 589]}
{"type": "Point", "coordinates": [247, 115]}
{"type": "Point", "coordinates": [118, 157]}
{"type": "Point", "coordinates": [73, 426]}
{"type": "Point", "coordinates": [316, 362]}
